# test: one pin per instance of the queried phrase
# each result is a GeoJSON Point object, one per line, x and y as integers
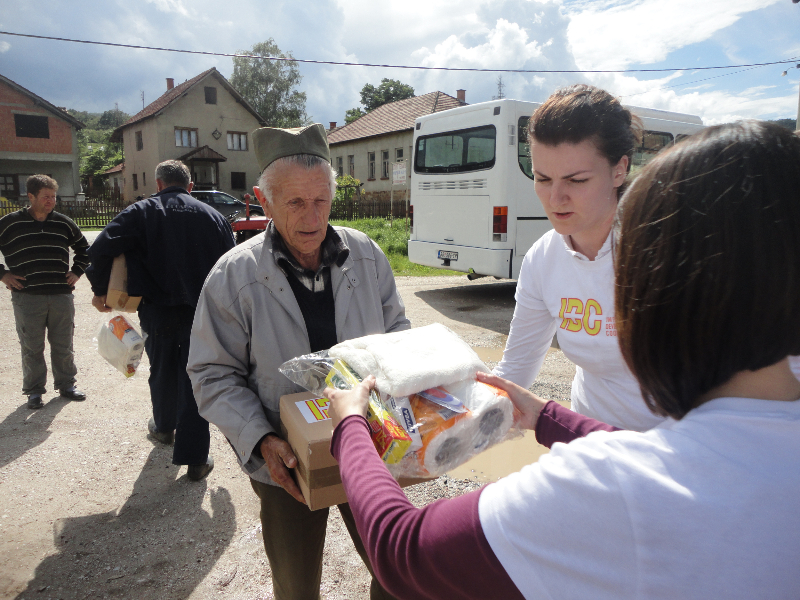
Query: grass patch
{"type": "Point", "coordinates": [392, 237]}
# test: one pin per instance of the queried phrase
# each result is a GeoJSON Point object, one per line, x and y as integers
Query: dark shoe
{"type": "Point", "coordinates": [35, 401]}
{"type": "Point", "coordinates": [198, 472]}
{"type": "Point", "coordinates": [73, 393]}
{"type": "Point", "coordinates": [167, 438]}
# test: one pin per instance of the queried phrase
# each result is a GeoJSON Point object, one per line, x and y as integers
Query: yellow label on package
{"type": "Point", "coordinates": [390, 439]}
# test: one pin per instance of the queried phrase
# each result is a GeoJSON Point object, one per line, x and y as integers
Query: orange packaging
{"type": "Point", "coordinates": [432, 419]}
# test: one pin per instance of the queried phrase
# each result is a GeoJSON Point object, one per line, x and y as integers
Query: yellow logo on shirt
{"type": "Point", "coordinates": [575, 316]}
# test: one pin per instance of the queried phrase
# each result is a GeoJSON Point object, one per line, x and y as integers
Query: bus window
{"type": "Point", "coordinates": [456, 151]}
{"type": "Point", "coordinates": [652, 143]}
{"type": "Point", "coordinates": [523, 150]}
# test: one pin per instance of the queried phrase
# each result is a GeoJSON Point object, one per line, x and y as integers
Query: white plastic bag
{"type": "Point", "coordinates": [120, 344]}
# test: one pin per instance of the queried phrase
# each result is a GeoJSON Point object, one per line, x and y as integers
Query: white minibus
{"type": "Point", "coordinates": [472, 203]}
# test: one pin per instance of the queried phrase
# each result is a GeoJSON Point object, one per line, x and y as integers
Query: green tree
{"type": "Point", "coordinates": [111, 119]}
{"type": "Point", "coordinates": [269, 85]}
{"type": "Point", "coordinates": [389, 90]}
{"type": "Point", "coordinates": [353, 114]}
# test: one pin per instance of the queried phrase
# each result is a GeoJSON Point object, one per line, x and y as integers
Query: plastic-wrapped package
{"type": "Point", "coordinates": [317, 371]}
{"type": "Point", "coordinates": [121, 345]}
{"type": "Point", "coordinates": [450, 438]}
{"type": "Point", "coordinates": [449, 416]}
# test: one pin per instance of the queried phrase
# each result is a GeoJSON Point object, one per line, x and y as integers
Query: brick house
{"type": "Point", "coordinates": [36, 137]}
{"type": "Point", "coordinates": [367, 147]}
{"type": "Point", "coordinates": [205, 123]}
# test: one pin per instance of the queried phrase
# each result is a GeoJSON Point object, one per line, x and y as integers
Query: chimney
{"type": "Point", "coordinates": [333, 124]}
{"type": "Point", "coordinates": [461, 95]}
{"type": "Point", "coordinates": [170, 83]}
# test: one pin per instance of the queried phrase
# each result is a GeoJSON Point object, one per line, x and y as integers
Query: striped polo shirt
{"type": "Point", "coordinates": [39, 251]}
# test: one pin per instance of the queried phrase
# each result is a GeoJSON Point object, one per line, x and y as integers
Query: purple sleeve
{"type": "Point", "coordinates": [438, 551]}
{"type": "Point", "coordinates": [559, 424]}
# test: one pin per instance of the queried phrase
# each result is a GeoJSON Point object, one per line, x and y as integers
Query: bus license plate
{"type": "Point", "coordinates": [447, 255]}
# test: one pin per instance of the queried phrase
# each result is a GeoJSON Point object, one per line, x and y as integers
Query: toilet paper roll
{"type": "Point", "coordinates": [493, 412]}
{"type": "Point", "coordinates": [451, 447]}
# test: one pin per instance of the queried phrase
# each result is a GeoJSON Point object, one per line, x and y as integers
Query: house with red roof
{"type": "Point", "coordinates": [36, 137]}
{"type": "Point", "coordinates": [203, 122]}
{"type": "Point", "coordinates": [367, 147]}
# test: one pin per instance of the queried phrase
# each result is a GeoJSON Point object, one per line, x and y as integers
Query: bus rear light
{"type": "Point", "coordinates": [411, 218]}
{"type": "Point", "coordinates": [500, 224]}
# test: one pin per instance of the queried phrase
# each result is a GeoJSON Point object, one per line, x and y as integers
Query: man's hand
{"type": "Point", "coordinates": [13, 282]}
{"type": "Point", "coordinates": [72, 279]}
{"type": "Point", "coordinates": [526, 404]}
{"type": "Point", "coordinates": [349, 402]}
{"type": "Point", "coordinates": [99, 302]}
{"type": "Point", "coordinates": [278, 455]}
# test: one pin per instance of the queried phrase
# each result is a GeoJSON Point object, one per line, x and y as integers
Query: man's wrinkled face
{"type": "Point", "coordinates": [301, 205]}
{"type": "Point", "coordinates": [44, 202]}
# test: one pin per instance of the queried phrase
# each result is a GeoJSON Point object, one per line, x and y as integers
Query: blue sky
{"type": "Point", "coordinates": [513, 34]}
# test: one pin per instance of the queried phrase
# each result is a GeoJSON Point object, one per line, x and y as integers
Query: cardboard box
{"type": "Point", "coordinates": [117, 296]}
{"type": "Point", "coordinates": [307, 428]}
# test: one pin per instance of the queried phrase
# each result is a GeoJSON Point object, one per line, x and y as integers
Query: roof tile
{"type": "Point", "coordinates": [392, 117]}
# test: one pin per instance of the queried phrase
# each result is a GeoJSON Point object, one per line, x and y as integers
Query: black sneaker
{"type": "Point", "coordinates": [35, 401]}
{"type": "Point", "coordinates": [198, 472]}
{"type": "Point", "coordinates": [73, 393]}
{"type": "Point", "coordinates": [164, 437]}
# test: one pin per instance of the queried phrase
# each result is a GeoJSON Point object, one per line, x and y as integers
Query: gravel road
{"type": "Point", "coordinates": [90, 508]}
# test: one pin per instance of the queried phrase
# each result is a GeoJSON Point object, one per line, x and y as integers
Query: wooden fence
{"type": "Point", "coordinates": [98, 211]}
{"type": "Point", "coordinates": [359, 206]}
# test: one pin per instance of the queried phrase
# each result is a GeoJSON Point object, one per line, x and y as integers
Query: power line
{"type": "Point", "coordinates": [351, 64]}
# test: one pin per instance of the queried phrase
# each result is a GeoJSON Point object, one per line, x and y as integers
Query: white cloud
{"type": "Point", "coordinates": [713, 106]}
{"type": "Point", "coordinates": [507, 46]}
{"type": "Point", "coordinates": [613, 35]}
{"type": "Point", "coordinates": [4, 46]}
{"type": "Point", "coordinates": [170, 6]}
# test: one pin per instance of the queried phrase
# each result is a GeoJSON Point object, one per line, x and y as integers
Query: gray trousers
{"type": "Point", "coordinates": [35, 315]}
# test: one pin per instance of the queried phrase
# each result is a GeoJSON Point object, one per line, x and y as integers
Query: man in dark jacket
{"type": "Point", "coordinates": [35, 242]}
{"type": "Point", "coordinates": [170, 242]}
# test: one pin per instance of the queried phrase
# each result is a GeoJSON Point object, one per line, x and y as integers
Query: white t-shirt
{"type": "Point", "coordinates": [794, 364]}
{"type": "Point", "coordinates": [705, 507]}
{"type": "Point", "coordinates": [560, 290]}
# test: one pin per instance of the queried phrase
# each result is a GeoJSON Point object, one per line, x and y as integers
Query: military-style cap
{"type": "Point", "coordinates": [271, 143]}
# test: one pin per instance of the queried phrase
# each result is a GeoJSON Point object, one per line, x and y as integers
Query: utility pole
{"type": "Point", "coordinates": [784, 74]}
{"type": "Point", "coordinates": [501, 88]}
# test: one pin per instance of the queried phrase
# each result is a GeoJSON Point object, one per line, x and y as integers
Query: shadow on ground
{"type": "Point", "coordinates": [24, 429]}
{"type": "Point", "coordinates": [161, 544]}
{"type": "Point", "coordinates": [489, 305]}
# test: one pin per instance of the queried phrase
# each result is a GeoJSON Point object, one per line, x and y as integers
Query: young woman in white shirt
{"type": "Point", "coordinates": [581, 142]}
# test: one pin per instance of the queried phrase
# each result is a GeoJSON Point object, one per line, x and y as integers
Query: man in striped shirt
{"type": "Point", "coordinates": [35, 243]}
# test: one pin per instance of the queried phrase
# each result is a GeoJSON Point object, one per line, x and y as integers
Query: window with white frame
{"type": "Point", "coordinates": [371, 163]}
{"type": "Point", "coordinates": [398, 155]}
{"type": "Point", "coordinates": [237, 140]}
{"type": "Point", "coordinates": [185, 137]}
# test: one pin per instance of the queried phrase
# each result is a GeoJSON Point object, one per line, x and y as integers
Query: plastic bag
{"type": "Point", "coordinates": [120, 344]}
{"type": "Point", "coordinates": [446, 425]}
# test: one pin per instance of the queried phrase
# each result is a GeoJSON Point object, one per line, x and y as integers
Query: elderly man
{"type": "Point", "coordinates": [35, 242]}
{"type": "Point", "coordinates": [170, 242]}
{"type": "Point", "coordinates": [300, 287]}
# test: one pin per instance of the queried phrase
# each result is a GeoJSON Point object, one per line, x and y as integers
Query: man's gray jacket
{"type": "Point", "coordinates": [248, 323]}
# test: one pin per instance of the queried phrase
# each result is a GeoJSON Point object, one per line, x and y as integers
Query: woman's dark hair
{"type": "Point", "coordinates": [708, 262]}
{"type": "Point", "coordinates": [583, 112]}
